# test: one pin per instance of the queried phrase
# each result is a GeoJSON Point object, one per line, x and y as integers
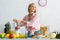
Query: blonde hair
{"type": "Point", "coordinates": [30, 6]}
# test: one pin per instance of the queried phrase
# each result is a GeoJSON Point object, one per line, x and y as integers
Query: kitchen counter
{"type": "Point", "coordinates": [30, 39]}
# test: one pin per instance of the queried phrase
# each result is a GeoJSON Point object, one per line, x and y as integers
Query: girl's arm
{"type": "Point", "coordinates": [32, 21]}
{"type": "Point", "coordinates": [16, 21]}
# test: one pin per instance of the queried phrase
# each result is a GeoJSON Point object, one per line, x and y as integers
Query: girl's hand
{"type": "Point", "coordinates": [15, 20]}
{"type": "Point", "coordinates": [24, 22]}
{"type": "Point", "coordinates": [20, 21]}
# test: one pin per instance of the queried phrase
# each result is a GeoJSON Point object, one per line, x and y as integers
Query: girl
{"type": "Point", "coordinates": [30, 21]}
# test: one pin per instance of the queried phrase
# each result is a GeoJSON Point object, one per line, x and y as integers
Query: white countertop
{"type": "Point", "coordinates": [30, 39]}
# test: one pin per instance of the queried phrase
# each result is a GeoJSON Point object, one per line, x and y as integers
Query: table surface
{"type": "Point", "coordinates": [30, 39]}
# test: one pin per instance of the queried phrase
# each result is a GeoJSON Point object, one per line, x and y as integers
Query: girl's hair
{"type": "Point", "coordinates": [30, 6]}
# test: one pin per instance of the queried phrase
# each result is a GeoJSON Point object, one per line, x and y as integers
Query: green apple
{"type": "Point", "coordinates": [2, 35]}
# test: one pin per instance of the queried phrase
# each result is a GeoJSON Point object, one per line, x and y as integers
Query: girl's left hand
{"type": "Point", "coordinates": [24, 22]}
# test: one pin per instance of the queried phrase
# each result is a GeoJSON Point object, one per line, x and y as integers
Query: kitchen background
{"type": "Point", "coordinates": [48, 15]}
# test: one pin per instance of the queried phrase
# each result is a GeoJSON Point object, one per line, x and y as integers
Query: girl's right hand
{"type": "Point", "coordinates": [15, 20]}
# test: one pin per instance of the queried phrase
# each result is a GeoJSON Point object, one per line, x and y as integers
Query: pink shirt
{"type": "Point", "coordinates": [33, 24]}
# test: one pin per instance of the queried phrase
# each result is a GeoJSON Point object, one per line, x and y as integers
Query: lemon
{"type": "Point", "coordinates": [14, 35]}
{"type": "Point", "coordinates": [17, 35]}
{"type": "Point", "coordinates": [6, 35]}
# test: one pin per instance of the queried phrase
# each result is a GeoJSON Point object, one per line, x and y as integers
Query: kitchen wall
{"type": "Point", "coordinates": [48, 15]}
